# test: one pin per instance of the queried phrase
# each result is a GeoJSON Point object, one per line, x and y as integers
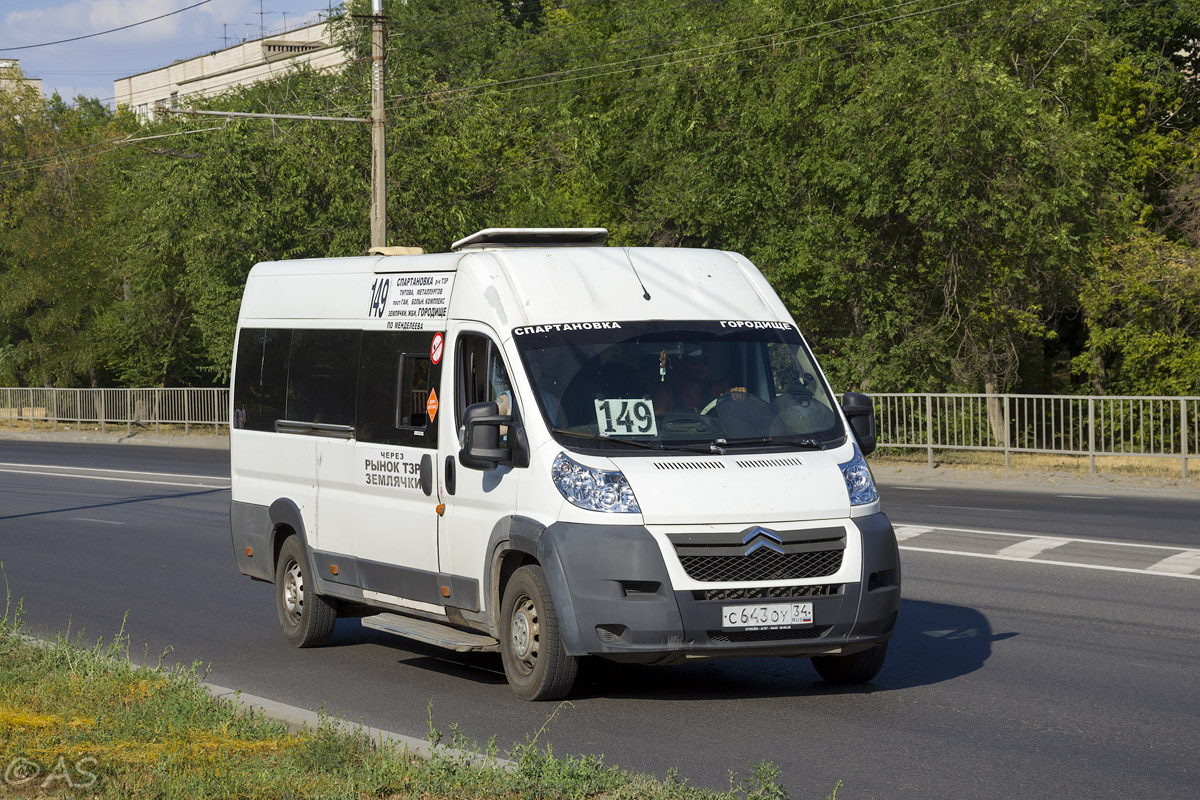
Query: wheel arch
{"type": "Point", "coordinates": [515, 542]}
{"type": "Point", "coordinates": [512, 545]}
{"type": "Point", "coordinates": [286, 521]}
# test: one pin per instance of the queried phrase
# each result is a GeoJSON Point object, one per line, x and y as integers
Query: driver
{"type": "Point", "coordinates": [689, 388]}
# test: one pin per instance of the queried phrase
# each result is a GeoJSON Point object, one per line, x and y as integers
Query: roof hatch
{"type": "Point", "coordinates": [532, 237]}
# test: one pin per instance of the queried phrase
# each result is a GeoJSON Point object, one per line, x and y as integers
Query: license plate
{"type": "Point", "coordinates": [767, 616]}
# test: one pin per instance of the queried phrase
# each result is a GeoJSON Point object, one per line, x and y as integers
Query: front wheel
{"type": "Point", "coordinates": [855, 668]}
{"type": "Point", "coordinates": [536, 663]}
{"type": "Point", "coordinates": [307, 619]}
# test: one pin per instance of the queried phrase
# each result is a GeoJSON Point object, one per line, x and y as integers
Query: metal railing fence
{"type": "Point", "coordinates": [1092, 426]}
{"type": "Point", "coordinates": [144, 408]}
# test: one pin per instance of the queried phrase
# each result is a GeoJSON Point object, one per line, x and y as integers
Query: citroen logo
{"type": "Point", "coordinates": [761, 537]}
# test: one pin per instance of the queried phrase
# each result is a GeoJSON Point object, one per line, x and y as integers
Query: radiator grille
{"type": "Point", "coordinates": [734, 637]}
{"type": "Point", "coordinates": [769, 592]}
{"type": "Point", "coordinates": [763, 565]}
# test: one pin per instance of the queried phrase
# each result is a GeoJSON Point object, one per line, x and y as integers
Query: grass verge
{"type": "Point", "coordinates": [1127, 466]}
{"type": "Point", "coordinates": [79, 721]}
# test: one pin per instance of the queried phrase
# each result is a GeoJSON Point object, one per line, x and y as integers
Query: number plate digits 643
{"type": "Point", "coordinates": [767, 615]}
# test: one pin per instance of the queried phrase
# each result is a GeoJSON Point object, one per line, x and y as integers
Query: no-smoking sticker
{"type": "Point", "coordinates": [435, 349]}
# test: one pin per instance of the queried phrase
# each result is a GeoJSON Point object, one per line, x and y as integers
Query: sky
{"type": "Point", "coordinates": [90, 66]}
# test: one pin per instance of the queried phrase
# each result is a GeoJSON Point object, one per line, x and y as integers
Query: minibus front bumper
{"type": "Point", "coordinates": [615, 600]}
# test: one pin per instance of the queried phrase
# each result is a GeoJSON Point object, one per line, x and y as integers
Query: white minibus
{"type": "Point", "coordinates": [546, 447]}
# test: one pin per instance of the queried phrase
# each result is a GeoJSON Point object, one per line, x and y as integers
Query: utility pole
{"type": "Point", "coordinates": [378, 162]}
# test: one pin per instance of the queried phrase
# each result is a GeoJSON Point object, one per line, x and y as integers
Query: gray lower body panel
{"type": "Point", "coordinates": [250, 526]}
{"type": "Point", "coordinates": [338, 575]}
{"type": "Point", "coordinates": [615, 600]}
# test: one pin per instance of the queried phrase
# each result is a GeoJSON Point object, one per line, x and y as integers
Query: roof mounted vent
{"type": "Point", "coordinates": [395, 251]}
{"type": "Point", "coordinates": [532, 237]}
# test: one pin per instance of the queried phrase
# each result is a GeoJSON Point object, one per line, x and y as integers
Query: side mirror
{"type": "Point", "coordinates": [481, 445]}
{"type": "Point", "coordinates": [860, 411]}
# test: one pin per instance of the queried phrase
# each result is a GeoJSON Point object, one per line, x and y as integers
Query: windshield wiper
{"type": "Point", "coordinates": [604, 438]}
{"type": "Point", "coordinates": [699, 448]}
{"type": "Point", "coordinates": [806, 443]}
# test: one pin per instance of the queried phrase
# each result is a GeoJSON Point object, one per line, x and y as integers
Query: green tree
{"type": "Point", "coordinates": [53, 277]}
{"type": "Point", "coordinates": [1143, 308]}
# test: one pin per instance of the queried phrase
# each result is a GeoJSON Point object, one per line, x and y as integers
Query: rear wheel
{"type": "Point", "coordinates": [306, 618]}
{"type": "Point", "coordinates": [535, 661]}
{"type": "Point", "coordinates": [857, 667]}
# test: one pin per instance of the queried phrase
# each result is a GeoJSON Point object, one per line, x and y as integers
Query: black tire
{"type": "Point", "coordinates": [535, 661]}
{"type": "Point", "coordinates": [855, 668]}
{"type": "Point", "coordinates": [307, 619]}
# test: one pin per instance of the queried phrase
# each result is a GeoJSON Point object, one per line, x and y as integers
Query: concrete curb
{"type": "Point", "coordinates": [301, 719]}
{"type": "Point", "coordinates": [206, 441]}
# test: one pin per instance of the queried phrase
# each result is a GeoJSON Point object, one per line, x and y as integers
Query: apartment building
{"type": "Point", "coordinates": [221, 70]}
{"type": "Point", "coordinates": [11, 76]}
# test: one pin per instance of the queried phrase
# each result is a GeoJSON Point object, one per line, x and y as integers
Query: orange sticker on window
{"type": "Point", "coordinates": [431, 406]}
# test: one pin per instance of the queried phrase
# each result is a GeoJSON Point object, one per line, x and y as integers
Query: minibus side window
{"type": "Point", "coordinates": [481, 376]}
{"type": "Point", "coordinates": [411, 411]}
{"type": "Point", "coordinates": [395, 378]}
{"type": "Point", "coordinates": [322, 382]}
{"type": "Point", "coordinates": [260, 378]}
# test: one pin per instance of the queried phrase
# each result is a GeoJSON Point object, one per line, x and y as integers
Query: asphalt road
{"type": "Point", "coordinates": [1153, 517]}
{"type": "Point", "coordinates": [1006, 678]}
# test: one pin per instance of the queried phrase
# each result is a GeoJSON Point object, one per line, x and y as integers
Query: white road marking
{"type": "Point", "coordinates": [909, 531]}
{"type": "Point", "coordinates": [102, 521]}
{"type": "Point", "coordinates": [912, 488]}
{"type": "Point", "coordinates": [113, 471]}
{"type": "Point", "coordinates": [1085, 496]}
{"type": "Point", "coordinates": [977, 508]}
{"type": "Point", "coordinates": [1051, 563]}
{"type": "Point", "coordinates": [1067, 538]}
{"type": "Point", "coordinates": [1031, 547]}
{"type": "Point", "coordinates": [224, 485]}
{"type": "Point", "coordinates": [1183, 563]}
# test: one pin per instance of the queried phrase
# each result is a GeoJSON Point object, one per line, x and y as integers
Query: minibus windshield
{"type": "Point", "coordinates": [667, 384]}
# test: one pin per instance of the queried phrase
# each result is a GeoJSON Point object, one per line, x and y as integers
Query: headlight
{"type": "Point", "coordinates": [859, 482]}
{"type": "Point", "coordinates": [593, 489]}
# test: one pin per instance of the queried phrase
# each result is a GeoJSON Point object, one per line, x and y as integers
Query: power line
{"type": "Point", "coordinates": [668, 58]}
{"type": "Point", "coordinates": [76, 153]}
{"type": "Point", "coordinates": [633, 64]}
{"type": "Point", "coordinates": [521, 107]}
{"type": "Point", "coordinates": [631, 15]}
{"type": "Point", "coordinates": [546, 99]}
{"type": "Point", "coordinates": [110, 30]}
{"type": "Point", "coordinates": [422, 109]}
{"type": "Point", "coordinates": [403, 44]}
{"type": "Point", "coordinates": [399, 101]}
